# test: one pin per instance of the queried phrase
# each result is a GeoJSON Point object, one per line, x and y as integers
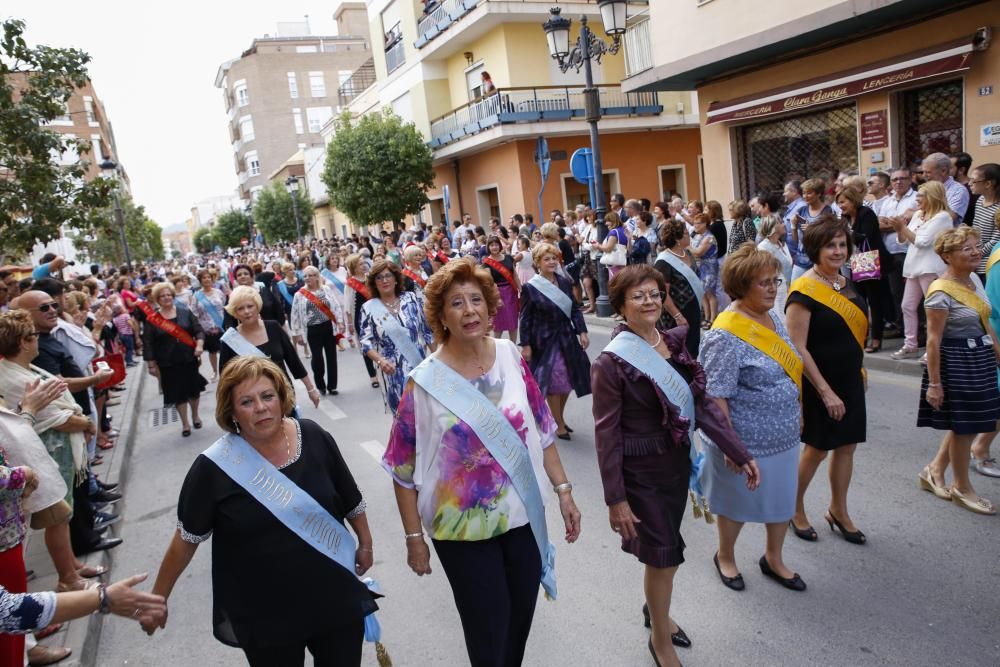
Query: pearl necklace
{"type": "Point", "coordinates": [681, 255]}
{"type": "Point", "coordinates": [659, 339]}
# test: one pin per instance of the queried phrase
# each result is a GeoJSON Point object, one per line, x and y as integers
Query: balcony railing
{"type": "Point", "coordinates": [638, 47]}
{"type": "Point", "coordinates": [395, 56]}
{"type": "Point", "coordinates": [438, 17]}
{"type": "Point", "coordinates": [530, 105]}
{"type": "Point", "coordinates": [358, 82]}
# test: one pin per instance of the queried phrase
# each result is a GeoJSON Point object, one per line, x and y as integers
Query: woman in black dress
{"type": "Point", "coordinates": [174, 341]}
{"type": "Point", "coordinates": [270, 308]}
{"type": "Point", "coordinates": [680, 307]}
{"type": "Point", "coordinates": [833, 400]}
{"type": "Point", "coordinates": [322, 605]}
{"type": "Point", "coordinates": [867, 236]}
{"type": "Point", "coordinates": [266, 335]}
{"type": "Point", "coordinates": [355, 294]}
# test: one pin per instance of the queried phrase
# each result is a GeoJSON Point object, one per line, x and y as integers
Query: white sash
{"type": "Point", "coordinates": [686, 271]}
{"type": "Point", "coordinates": [396, 332]}
{"type": "Point", "coordinates": [240, 345]}
{"type": "Point", "coordinates": [552, 292]}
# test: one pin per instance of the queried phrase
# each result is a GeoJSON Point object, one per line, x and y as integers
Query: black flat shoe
{"type": "Point", "coordinates": [735, 583]}
{"type": "Point", "coordinates": [333, 392]}
{"type": "Point", "coordinates": [569, 430]}
{"type": "Point", "coordinates": [197, 425]}
{"type": "Point", "coordinates": [563, 436]}
{"type": "Point", "coordinates": [678, 638]}
{"type": "Point", "coordinates": [102, 545]}
{"type": "Point", "coordinates": [186, 432]}
{"type": "Point", "coordinates": [795, 583]}
{"type": "Point", "coordinates": [857, 537]}
{"type": "Point", "coordinates": [375, 384]}
{"type": "Point", "coordinates": [809, 534]}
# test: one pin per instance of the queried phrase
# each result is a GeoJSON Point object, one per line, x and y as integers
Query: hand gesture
{"type": "Point", "coordinates": [570, 515]}
{"type": "Point", "coordinates": [103, 375]}
{"type": "Point", "coordinates": [38, 394]}
{"type": "Point", "coordinates": [622, 520]}
{"type": "Point", "coordinates": [418, 557]}
{"type": "Point", "coordinates": [147, 608]}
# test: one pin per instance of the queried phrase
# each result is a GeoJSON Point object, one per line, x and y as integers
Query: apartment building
{"type": "Point", "coordinates": [283, 89]}
{"type": "Point", "coordinates": [789, 89]}
{"type": "Point", "coordinates": [429, 60]}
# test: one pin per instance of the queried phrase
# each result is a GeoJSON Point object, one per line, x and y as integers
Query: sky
{"type": "Point", "coordinates": [153, 66]}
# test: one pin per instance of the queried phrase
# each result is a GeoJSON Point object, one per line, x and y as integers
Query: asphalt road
{"type": "Point", "coordinates": [923, 591]}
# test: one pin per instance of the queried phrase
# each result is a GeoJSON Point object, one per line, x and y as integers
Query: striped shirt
{"type": "Point", "coordinates": [984, 221]}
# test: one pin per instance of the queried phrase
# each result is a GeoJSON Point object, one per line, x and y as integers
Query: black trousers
{"type": "Point", "coordinates": [322, 340]}
{"type": "Point", "coordinates": [876, 293]}
{"type": "Point", "coordinates": [339, 647]}
{"type": "Point", "coordinates": [81, 526]}
{"type": "Point", "coordinates": [495, 583]}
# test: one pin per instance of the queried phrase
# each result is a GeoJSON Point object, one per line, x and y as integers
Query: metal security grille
{"type": "Point", "coordinates": [797, 147]}
{"type": "Point", "coordinates": [931, 120]}
{"type": "Point", "coordinates": [163, 416]}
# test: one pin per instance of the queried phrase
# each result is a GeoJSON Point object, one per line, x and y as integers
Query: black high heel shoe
{"type": "Point", "coordinates": [809, 534]}
{"type": "Point", "coordinates": [857, 537]}
{"type": "Point", "coordinates": [678, 638]}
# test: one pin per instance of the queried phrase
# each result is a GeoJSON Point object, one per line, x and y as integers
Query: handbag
{"type": "Point", "coordinates": [616, 257]}
{"type": "Point", "coordinates": [116, 361]}
{"type": "Point", "coordinates": [865, 264]}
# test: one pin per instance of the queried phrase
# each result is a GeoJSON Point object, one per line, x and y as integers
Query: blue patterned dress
{"type": "Point", "coordinates": [374, 337]}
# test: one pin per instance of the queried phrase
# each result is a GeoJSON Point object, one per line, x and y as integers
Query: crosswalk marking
{"type": "Point", "coordinates": [374, 448]}
{"type": "Point", "coordinates": [330, 410]}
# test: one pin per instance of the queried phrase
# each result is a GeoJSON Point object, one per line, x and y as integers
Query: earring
{"type": "Point", "coordinates": [236, 425]}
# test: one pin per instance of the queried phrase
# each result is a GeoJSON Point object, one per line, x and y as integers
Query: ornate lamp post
{"type": "Point", "coordinates": [110, 169]}
{"type": "Point", "coordinates": [590, 47]}
{"type": "Point", "coordinates": [292, 185]}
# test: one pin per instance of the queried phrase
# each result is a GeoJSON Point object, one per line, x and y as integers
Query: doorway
{"type": "Point", "coordinates": [673, 181]}
{"type": "Point", "coordinates": [488, 201]}
{"type": "Point", "coordinates": [577, 193]}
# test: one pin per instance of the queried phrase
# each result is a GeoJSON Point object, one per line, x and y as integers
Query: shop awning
{"type": "Point", "coordinates": [943, 59]}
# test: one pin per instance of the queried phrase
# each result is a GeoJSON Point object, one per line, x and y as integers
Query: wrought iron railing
{"type": "Point", "coordinates": [357, 83]}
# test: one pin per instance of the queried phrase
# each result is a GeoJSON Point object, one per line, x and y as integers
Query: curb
{"type": "Point", "coordinates": [880, 361]}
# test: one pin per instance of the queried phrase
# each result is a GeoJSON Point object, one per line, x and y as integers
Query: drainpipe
{"type": "Point", "coordinates": [458, 187]}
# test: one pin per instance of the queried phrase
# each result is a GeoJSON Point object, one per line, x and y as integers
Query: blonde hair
{"type": "Point", "coordinates": [159, 288]}
{"type": "Point", "coordinates": [539, 252]}
{"type": "Point", "coordinates": [935, 197]}
{"type": "Point", "coordinates": [241, 369]}
{"type": "Point", "coordinates": [413, 252]}
{"type": "Point", "coordinates": [351, 263]}
{"type": "Point", "coordinates": [952, 240]}
{"type": "Point", "coordinates": [241, 294]}
{"type": "Point", "coordinates": [550, 231]}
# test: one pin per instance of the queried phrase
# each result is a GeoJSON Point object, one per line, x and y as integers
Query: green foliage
{"type": "Point", "coordinates": [144, 236]}
{"type": "Point", "coordinates": [274, 215]}
{"type": "Point", "coordinates": [202, 240]}
{"type": "Point", "coordinates": [230, 228]}
{"type": "Point", "coordinates": [377, 169]}
{"type": "Point", "coordinates": [41, 195]}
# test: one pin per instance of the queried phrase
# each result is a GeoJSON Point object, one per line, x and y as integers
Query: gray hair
{"type": "Point", "coordinates": [939, 160]}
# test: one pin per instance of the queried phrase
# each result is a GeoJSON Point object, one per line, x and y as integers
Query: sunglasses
{"type": "Point", "coordinates": [46, 307]}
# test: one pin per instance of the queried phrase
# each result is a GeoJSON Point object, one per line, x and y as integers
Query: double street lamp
{"type": "Point", "coordinates": [110, 169]}
{"type": "Point", "coordinates": [292, 185]}
{"type": "Point", "coordinates": [589, 47]}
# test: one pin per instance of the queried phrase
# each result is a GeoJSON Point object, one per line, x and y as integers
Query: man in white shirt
{"type": "Point", "coordinates": [632, 209]}
{"type": "Point", "coordinates": [878, 191]}
{"type": "Point", "coordinates": [901, 202]}
{"type": "Point", "coordinates": [937, 167]}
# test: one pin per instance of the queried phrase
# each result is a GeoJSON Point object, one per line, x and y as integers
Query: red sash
{"type": "Point", "coordinates": [359, 287]}
{"type": "Point", "coordinates": [440, 256]}
{"type": "Point", "coordinates": [414, 277]}
{"type": "Point", "coordinates": [165, 325]}
{"type": "Point", "coordinates": [316, 301]}
{"type": "Point", "coordinates": [500, 268]}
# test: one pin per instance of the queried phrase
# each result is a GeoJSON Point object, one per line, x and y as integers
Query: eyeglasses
{"type": "Point", "coordinates": [979, 180]}
{"type": "Point", "coordinates": [640, 297]}
{"type": "Point", "coordinates": [32, 336]}
{"type": "Point", "coordinates": [45, 307]}
{"type": "Point", "coordinates": [768, 284]}
{"type": "Point", "coordinates": [384, 277]}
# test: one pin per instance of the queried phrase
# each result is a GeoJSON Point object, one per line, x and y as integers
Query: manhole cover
{"type": "Point", "coordinates": [163, 416]}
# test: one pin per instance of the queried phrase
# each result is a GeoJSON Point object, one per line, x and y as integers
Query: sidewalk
{"type": "Point", "coordinates": [83, 635]}
{"type": "Point", "coordinates": [876, 361]}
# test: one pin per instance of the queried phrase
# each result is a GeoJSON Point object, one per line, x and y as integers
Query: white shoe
{"type": "Point", "coordinates": [987, 467]}
{"type": "Point", "coordinates": [905, 353]}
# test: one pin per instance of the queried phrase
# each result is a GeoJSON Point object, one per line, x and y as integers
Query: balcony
{"type": "Point", "coordinates": [638, 46]}
{"type": "Point", "coordinates": [358, 82]}
{"type": "Point", "coordinates": [394, 53]}
{"type": "Point", "coordinates": [438, 17]}
{"type": "Point", "coordinates": [531, 105]}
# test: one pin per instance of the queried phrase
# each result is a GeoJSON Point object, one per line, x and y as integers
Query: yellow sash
{"type": "Point", "coordinates": [965, 296]}
{"type": "Point", "coordinates": [855, 318]}
{"type": "Point", "coordinates": [763, 339]}
{"type": "Point", "coordinates": [994, 258]}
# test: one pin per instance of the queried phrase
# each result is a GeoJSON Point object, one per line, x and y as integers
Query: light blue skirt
{"type": "Point", "coordinates": [772, 502]}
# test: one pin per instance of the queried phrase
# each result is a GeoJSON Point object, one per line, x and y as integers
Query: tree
{"type": "Point", "coordinates": [230, 228]}
{"type": "Point", "coordinates": [274, 215]}
{"type": "Point", "coordinates": [202, 240]}
{"type": "Point", "coordinates": [377, 168]}
{"type": "Point", "coordinates": [144, 236]}
{"type": "Point", "coordinates": [38, 195]}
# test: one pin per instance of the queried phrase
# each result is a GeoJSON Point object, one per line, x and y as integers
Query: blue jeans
{"type": "Point", "coordinates": [128, 340]}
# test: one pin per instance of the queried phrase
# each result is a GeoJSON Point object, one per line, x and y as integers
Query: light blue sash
{"type": "Point", "coordinates": [283, 288]}
{"type": "Point", "coordinates": [499, 437]}
{"type": "Point", "coordinates": [290, 505]}
{"type": "Point", "coordinates": [334, 280]}
{"type": "Point", "coordinates": [686, 271]}
{"type": "Point", "coordinates": [396, 332]}
{"type": "Point", "coordinates": [209, 308]}
{"type": "Point", "coordinates": [240, 345]}
{"type": "Point", "coordinates": [640, 354]}
{"type": "Point", "coordinates": [553, 294]}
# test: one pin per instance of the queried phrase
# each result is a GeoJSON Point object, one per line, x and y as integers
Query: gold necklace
{"type": "Point", "coordinates": [288, 446]}
{"type": "Point", "coordinates": [835, 283]}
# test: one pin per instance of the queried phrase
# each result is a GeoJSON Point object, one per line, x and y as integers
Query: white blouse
{"type": "Point", "coordinates": [920, 256]}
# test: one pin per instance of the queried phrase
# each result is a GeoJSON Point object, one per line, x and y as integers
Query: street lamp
{"type": "Point", "coordinates": [248, 209]}
{"type": "Point", "coordinates": [590, 47]}
{"type": "Point", "coordinates": [110, 169]}
{"type": "Point", "coordinates": [292, 185]}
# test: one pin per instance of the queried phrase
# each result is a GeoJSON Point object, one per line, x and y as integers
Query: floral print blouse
{"type": "Point", "coordinates": [11, 515]}
{"type": "Point", "coordinates": [462, 491]}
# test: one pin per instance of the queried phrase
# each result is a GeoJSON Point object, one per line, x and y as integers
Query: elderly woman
{"type": "Point", "coordinates": [676, 264]}
{"type": "Point", "coordinates": [744, 230]}
{"type": "Point", "coordinates": [318, 317]}
{"type": "Point", "coordinates": [174, 342]}
{"type": "Point", "coordinates": [828, 323]}
{"type": "Point", "coordinates": [922, 265]}
{"type": "Point", "coordinates": [322, 603]}
{"type": "Point", "coordinates": [706, 254]}
{"type": "Point", "coordinates": [414, 276]}
{"type": "Point", "coordinates": [813, 206]}
{"type": "Point", "coordinates": [209, 305]}
{"type": "Point", "coordinates": [962, 357]}
{"type": "Point", "coordinates": [867, 236]}
{"type": "Point", "coordinates": [394, 330]}
{"type": "Point", "coordinates": [335, 275]}
{"type": "Point", "coordinates": [554, 335]}
{"type": "Point", "coordinates": [255, 336]}
{"type": "Point", "coordinates": [772, 231]}
{"type": "Point", "coordinates": [754, 373]}
{"type": "Point", "coordinates": [355, 294]}
{"type": "Point", "coordinates": [652, 394]}
{"type": "Point", "coordinates": [481, 502]}
{"type": "Point", "coordinates": [284, 291]}
{"type": "Point", "coordinates": [270, 308]}
{"type": "Point", "coordinates": [501, 267]}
